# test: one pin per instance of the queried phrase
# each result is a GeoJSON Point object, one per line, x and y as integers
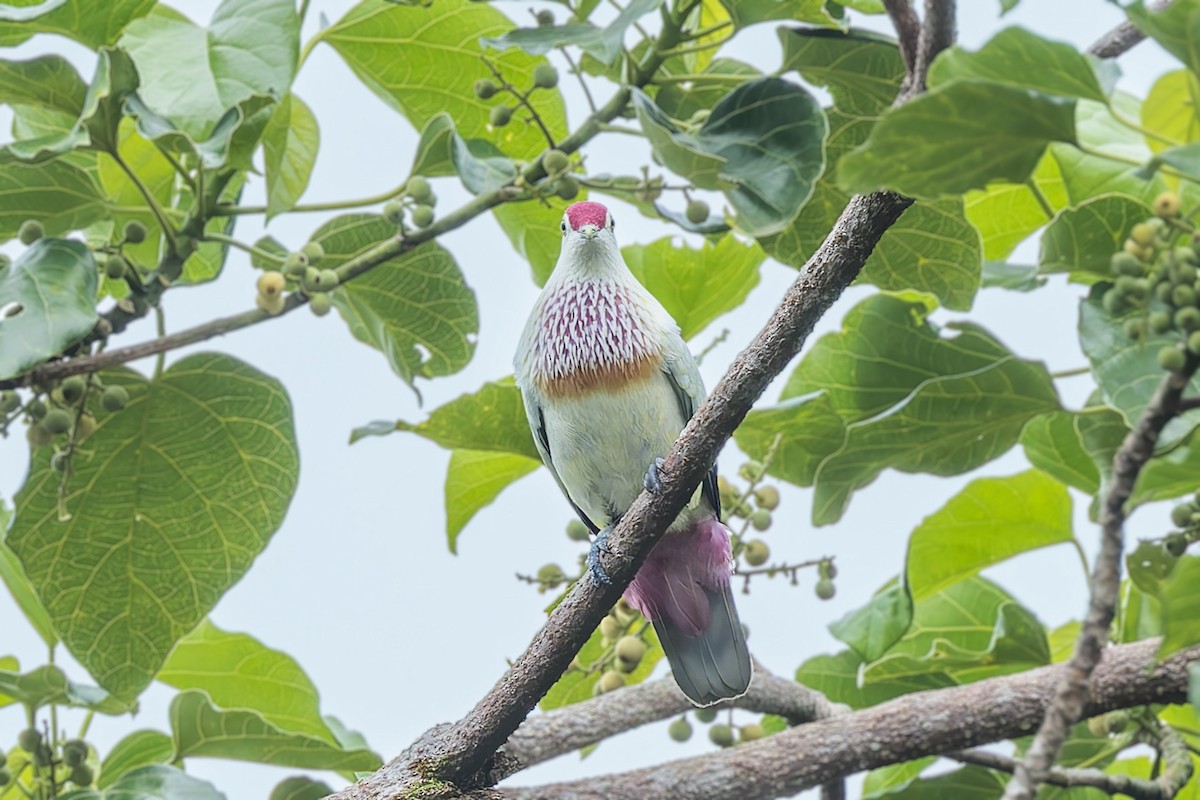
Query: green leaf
{"type": "Point", "coordinates": [762, 146]}
{"type": "Point", "coordinates": [957, 137]}
{"type": "Point", "coordinates": [480, 165]}
{"type": "Point", "coordinates": [474, 479]}
{"type": "Point", "coordinates": [932, 248]}
{"type": "Point", "coordinates": [300, 788]}
{"type": "Point", "coordinates": [1170, 110]}
{"type": "Point", "coordinates": [1168, 475]}
{"type": "Point", "coordinates": [139, 749]}
{"type": "Point", "coordinates": [989, 521]}
{"type": "Point", "coordinates": [967, 631]}
{"type": "Point", "coordinates": [49, 685]}
{"type": "Point", "coordinates": [1176, 28]}
{"type": "Point", "coordinates": [232, 140]}
{"type": "Point", "coordinates": [1149, 565]}
{"type": "Point", "coordinates": [13, 576]}
{"type": "Point", "coordinates": [533, 230]}
{"type": "Point", "coordinates": [434, 155]}
{"type": "Point", "coordinates": [603, 44]}
{"type": "Point", "coordinates": [1185, 158]}
{"type": "Point", "coordinates": [238, 671]}
{"type": "Point", "coordinates": [47, 81]}
{"type": "Point", "coordinates": [683, 100]}
{"type": "Point", "coordinates": [59, 194]}
{"type": "Point", "coordinates": [193, 76]}
{"type": "Point", "coordinates": [893, 778]}
{"type": "Point", "coordinates": [1076, 449]}
{"type": "Point", "coordinates": [200, 729]}
{"type": "Point", "coordinates": [750, 12]}
{"type": "Point", "coordinates": [1062, 641]}
{"type": "Point", "coordinates": [205, 455]}
{"type": "Point", "coordinates": [47, 303]}
{"type": "Point", "coordinates": [443, 40]}
{"type": "Point", "coordinates": [1014, 277]}
{"type": "Point", "coordinates": [861, 69]}
{"type": "Point", "coordinates": [1127, 371]}
{"type": "Point", "coordinates": [491, 419]}
{"type": "Point", "coordinates": [415, 308]}
{"type": "Point", "coordinates": [1181, 607]}
{"type": "Point", "coordinates": [967, 783]}
{"type": "Point", "coordinates": [1084, 237]}
{"type": "Point", "coordinates": [1022, 59]}
{"type": "Point", "coordinates": [156, 782]}
{"type": "Point", "coordinates": [88, 22]}
{"type": "Point", "coordinates": [873, 628]}
{"type": "Point", "coordinates": [115, 78]}
{"type": "Point", "coordinates": [1092, 173]}
{"type": "Point", "coordinates": [836, 677]}
{"type": "Point", "coordinates": [903, 397]}
{"type": "Point", "coordinates": [1007, 213]}
{"type": "Point", "coordinates": [696, 286]}
{"type": "Point", "coordinates": [290, 143]}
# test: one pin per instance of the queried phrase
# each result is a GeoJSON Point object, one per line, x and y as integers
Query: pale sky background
{"type": "Point", "coordinates": [358, 584]}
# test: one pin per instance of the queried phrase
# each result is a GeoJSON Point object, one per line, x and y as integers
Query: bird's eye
{"type": "Point", "coordinates": [612, 224]}
{"type": "Point", "coordinates": [563, 226]}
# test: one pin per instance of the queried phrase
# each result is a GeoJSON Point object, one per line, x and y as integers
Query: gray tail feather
{"type": "Point", "coordinates": [714, 665]}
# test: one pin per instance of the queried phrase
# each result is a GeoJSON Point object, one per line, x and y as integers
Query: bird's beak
{"type": "Point", "coordinates": [588, 231]}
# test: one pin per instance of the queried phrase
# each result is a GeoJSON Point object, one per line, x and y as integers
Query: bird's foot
{"type": "Point", "coordinates": [600, 545]}
{"type": "Point", "coordinates": [651, 481]}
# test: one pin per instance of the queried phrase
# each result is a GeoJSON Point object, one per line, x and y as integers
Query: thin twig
{"type": "Point", "coordinates": [1136, 788]}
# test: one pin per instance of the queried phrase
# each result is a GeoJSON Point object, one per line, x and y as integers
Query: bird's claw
{"type": "Point", "coordinates": [651, 481]}
{"type": "Point", "coordinates": [599, 545]}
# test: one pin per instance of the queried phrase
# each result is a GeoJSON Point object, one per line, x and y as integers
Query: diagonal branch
{"type": "Point", "coordinates": [908, 30]}
{"type": "Point", "coordinates": [911, 726]}
{"type": "Point", "coordinates": [1071, 695]}
{"type": "Point", "coordinates": [937, 33]}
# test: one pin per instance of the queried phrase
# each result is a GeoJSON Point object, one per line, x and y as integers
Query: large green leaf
{"type": "Point", "coordinates": [231, 140]}
{"type": "Point", "coordinates": [415, 308]}
{"type": "Point", "coordinates": [763, 146]}
{"type": "Point", "coordinates": [901, 396]}
{"type": "Point", "coordinates": [474, 479]}
{"type": "Point", "coordinates": [1007, 213]}
{"type": "Point", "coordinates": [90, 22]}
{"type": "Point", "coordinates": [238, 671]}
{"type": "Point", "coordinates": [989, 521]}
{"type": "Point", "coordinates": [442, 60]}
{"type": "Point", "coordinates": [1020, 58]}
{"type": "Point", "coordinates": [602, 43]}
{"type": "Point", "coordinates": [59, 194]}
{"type": "Point", "coordinates": [1127, 370]}
{"type": "Point", "coordinates": [47, 303]}
{"type": "Point", "coordinates": [12, 575]}
{"type": "Point", "coordinates": [169, 503]}
{"type": "Point", "coordinates": [965, 783]}
{"type": "Point", "coordinates": [49, 685]}
{"type": "Point", "coordinates": [155, 782]}
{"type": "Point", "coordinates": [48, 81]}
{"type": "Point", "coordinates": [193, 75]}
{"type": "Point", "coordinates": [1181, 607]}
{"type": "Point", "coordinates": [932, 248]}
{"type": "Point", "coordinates": [888, 780]}
{"type": "Point", "coordinates": [750, 12]}
{"type": "Point", "coordinates": [139, 749]}
{"type": "Point", "coordinates": [836, 677]}
{"type": "Point", "coordinates": [1169, 475]}
{"type": "Point", "coordinates": [1077, 449]}
{"type": "Point", "coordinates": [1176, 27]}
{"type": "Point", "coordinates": [1084, 237]}
{"type": "Point", "coordinates": [861, 69]}
{"type": "Point", "coordinates": [873, 628]}
{"type": "Point", "coordinates": [696, 286]}
{"type": "Point", "coordinates": [1161, 113]}
{"type": "Point", "coordinates": [201, 729]}
{"type": "Point", "coordinates": [491, 419]}
{"type": "Point", "coordinates": [957, 137]}
{"type": "Point", "coordinates": [1088, 172]}
{"type": "Point", "coordinates": [290, 143]}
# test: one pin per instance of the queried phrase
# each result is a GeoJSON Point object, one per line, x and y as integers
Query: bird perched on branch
{"type": "Point", "coordinates": [608, 384]}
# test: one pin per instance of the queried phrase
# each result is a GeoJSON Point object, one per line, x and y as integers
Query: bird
{"type": "Point", "coordinates": [608, 383]}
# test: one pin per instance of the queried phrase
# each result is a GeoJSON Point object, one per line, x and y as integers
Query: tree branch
{"type": "Point", "coordinates": [908, 30]}
{"type": "Point", "coordinates": [911, 726]}
{"type": "Point", "coordinates": [566, 729]}
{"type": "Point", "coordinates": [1071, 695]}
{"type": "Point", "coordinates": [937, 33]}
{"type": "Point", "coordinates": [1136, 788]}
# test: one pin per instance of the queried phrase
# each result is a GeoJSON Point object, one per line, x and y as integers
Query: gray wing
{"type": "Point", "coordinates": [537, 424]}
{"type": "Point", "coordinates": [684, 376]}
